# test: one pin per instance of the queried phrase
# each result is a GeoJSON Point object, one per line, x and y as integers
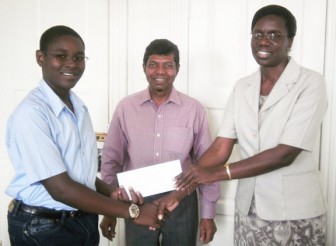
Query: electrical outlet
{"type": "Point", "coordinates": [100, 136]}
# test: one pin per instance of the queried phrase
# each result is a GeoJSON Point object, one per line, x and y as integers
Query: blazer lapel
{"type": "Point", "coordinates": [279, 91]}
{"type": "Point", "coordinates": [282, 87]}
{"type": "Point", "coordinates": [253, 91]}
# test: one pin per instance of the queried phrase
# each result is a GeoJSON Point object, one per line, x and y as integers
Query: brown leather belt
{"type": "Point", "coordinates": [43, 212]}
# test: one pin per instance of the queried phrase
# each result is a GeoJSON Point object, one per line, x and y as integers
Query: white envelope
{"type": "Point", "coordinates": [151, 180]}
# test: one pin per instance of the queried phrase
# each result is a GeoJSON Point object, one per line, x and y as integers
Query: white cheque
{"type": "Point", "coordinates": [151, 180]}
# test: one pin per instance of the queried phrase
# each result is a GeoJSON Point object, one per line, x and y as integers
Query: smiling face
{"type": "Point", "coordinates": [62, 74]}
{"type": "Point", "coordinates": [267, 52]}
{"type": "Point", "coordinates": [160, 71]}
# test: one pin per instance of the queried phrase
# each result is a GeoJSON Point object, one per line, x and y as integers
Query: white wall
{"type": "Point", "coordinates": [213, 37]}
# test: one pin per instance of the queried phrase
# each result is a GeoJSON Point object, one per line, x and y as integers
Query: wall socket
{"type": "Point", "coordinates": [100, 136]}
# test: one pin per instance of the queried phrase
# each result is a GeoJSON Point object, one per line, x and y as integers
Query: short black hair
{"type": "Point", "coordinates": [162, 47]}
{"type": "Point", "coordinates": [50, 35]}
{"type": "Point", "coordinates": [290, 21]}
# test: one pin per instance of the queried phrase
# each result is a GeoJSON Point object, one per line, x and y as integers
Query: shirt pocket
{"type": "Point", "coordinates": [178, 142]}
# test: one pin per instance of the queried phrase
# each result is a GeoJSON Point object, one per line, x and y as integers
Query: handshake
{"type": "Point", "coordinates": [151, 214]}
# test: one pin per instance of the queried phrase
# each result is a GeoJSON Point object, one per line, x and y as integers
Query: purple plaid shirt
{"type": "Point", "coordinates": [143, 134]}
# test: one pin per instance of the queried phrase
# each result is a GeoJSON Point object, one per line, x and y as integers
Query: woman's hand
{"type": "Point", "coordinates": [194, 176]}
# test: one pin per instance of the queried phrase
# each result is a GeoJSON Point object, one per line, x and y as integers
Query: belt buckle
{"type": "Point", "coordinates": [11, 206]}
{"type": "Point", "coordinates": [74, 214]}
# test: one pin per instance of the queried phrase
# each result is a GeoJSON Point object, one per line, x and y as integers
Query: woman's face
{"type": "Point", "coordinates": [270, 43]}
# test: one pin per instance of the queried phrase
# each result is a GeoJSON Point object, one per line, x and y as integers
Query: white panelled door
{"type": "Point", "coordinates": [21, 24]}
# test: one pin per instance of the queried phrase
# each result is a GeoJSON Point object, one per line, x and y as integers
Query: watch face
{"type": "Point", "coordinates": [134, 211]}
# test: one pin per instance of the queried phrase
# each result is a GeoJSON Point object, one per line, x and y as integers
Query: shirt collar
{"type": "Point", "coordinates": [174, 97]}
{"type": "Point", "coordinates": [56, 104]}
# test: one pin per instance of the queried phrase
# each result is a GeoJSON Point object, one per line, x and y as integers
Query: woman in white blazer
{"type": "Point", "coordinates": [275, 116]}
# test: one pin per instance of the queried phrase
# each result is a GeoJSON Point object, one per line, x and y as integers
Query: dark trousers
{"type": "Point", "coordinates": [179, 229]}
{"type": "Point", "coordinates": [28, 229]}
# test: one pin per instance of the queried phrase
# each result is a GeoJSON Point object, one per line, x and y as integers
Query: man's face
{"type": "Point", "coordinates": [160, 71]}
{"type": "Point", "coordinates": [63, 64]}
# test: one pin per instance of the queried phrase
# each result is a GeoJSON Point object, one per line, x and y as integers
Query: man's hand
{"type": "Point", "coordinates": [121, 195]}
{"type": "Point", "coordinates": [148, 216]}
{"type": "Point", "coordinates": [168, 203]}
{"type": "Point", "coordinates": [108, 226]}
{"type": "Point", "coordinates": [207, 230]}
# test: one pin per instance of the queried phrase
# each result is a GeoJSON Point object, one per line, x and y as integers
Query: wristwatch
{"type": "Point", "coordinates": [134, 211]}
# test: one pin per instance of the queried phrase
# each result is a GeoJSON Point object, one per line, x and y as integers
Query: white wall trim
{"type": "Point", "coordinates": [328, 143]}
{"type": "Point", "coordinates": [118, 43]}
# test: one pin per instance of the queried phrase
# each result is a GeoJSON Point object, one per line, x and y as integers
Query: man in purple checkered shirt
{"type": "Point", "coordinates": [156, 125]}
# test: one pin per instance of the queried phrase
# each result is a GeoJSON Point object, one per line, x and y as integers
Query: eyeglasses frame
{"type": "Point", "coordinates": [73, 58]}
{"type": "Point", "coordinates": [276, 36]}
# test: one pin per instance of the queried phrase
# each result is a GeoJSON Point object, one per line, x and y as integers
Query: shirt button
{"type": "Point", "coordinates": [158, 135]}
{"type": "Point", "coordinates": [159, 116]}
{"type": "Point", "coordinates": [157, 154]}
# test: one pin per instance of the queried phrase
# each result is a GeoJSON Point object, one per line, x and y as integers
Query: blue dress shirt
{"type": "Point", "coordinates": [44, 138]}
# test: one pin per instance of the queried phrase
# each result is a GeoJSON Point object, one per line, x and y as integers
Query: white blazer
{"type": "Point", "coordinates": [291, 115]}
